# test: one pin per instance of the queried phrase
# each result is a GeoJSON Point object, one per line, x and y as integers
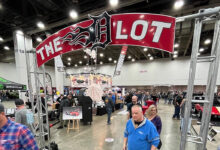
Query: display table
{"type": "Point", "coordinates": [101, 111]}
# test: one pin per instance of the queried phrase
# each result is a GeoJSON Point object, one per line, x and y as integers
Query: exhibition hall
{"type": "Point", "coordinates": [109, 75]}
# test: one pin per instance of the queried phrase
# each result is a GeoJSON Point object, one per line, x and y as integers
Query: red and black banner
{"type": "Point", "coordinates": [140, 29]}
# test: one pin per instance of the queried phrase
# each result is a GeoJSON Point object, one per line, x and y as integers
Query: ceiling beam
{"type": "Point", "coordinates": [190, 39]}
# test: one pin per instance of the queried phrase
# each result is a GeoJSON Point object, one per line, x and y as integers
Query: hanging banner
{"type": "Point", "coordinates": [121, 60]}
{"type": "Point", "coordinates": [140, 29]}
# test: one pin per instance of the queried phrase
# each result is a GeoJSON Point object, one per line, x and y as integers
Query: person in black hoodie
{"type": "Point", "coordinates": [64, 103]}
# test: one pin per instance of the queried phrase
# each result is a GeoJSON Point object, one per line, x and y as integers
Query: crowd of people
{"type": "Point", "coordinates": [142, 130]}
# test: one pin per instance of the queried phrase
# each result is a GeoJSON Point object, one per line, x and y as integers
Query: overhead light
{"type": "Point", "coordinates": [175, 56]}
{"type": "Point", "coordinates": [76, 65]}
{"type": "Point", "coordinates": [40, 25]}
{"type": "Point", "coordinates": [69, 63]}
{"type": "Point", "coordinates": [110, 59]}
{"type": "Point", "coordinates": [207, 41]}
{"type": "Point", "coordinates": [151, 58]}
{"type": "Point", "coordinates": [175, 52]}
{"type": "Point", "coordinates": [80, 62]}
{"type": "Point", "coordinates": [73, 14]}
{"type": "Point", "coordinates": [69, 58]}
{"type": "Point", "coordinates": [1, 39]}
{"type": "Point", "coordinates": [0, 6]}
{"type": "Point", "coordinates": [113, 3]}
{"type": "Point", "coordinates": [85, 57]}
{"type": "Point", "coordinates": [149, 55]}
{"type": "Point", "coordinates": [129, 57]}
{"type": "Point", "coordinates": [115, 61]}
{"type": "Point", "coordinates": [6, 48]}
{"type": "Point", "coordinates": [201, 50]}
{"type": "Point", "coordinates": [176, 45]}
{"type": "Point", "coordinates": [132, 59]}
{"type": "Point", "coordinates": [39, 39]}
{"type": "Point", "coordinates": [101, 55]}
{"type": "Point", "coordinates": [145, 49]}
{"type": "Point", "coordinates": [19, 32]}
{"type": "Point", "coordinates": [178, 4]}
{"type": "Point", "coordinates": [198, 54]}
{"type": "Point", "coordinates": [101, 62]}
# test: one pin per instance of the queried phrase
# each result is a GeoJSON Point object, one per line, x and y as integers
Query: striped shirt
{"type": "Point", "coordinates": [14, 136]}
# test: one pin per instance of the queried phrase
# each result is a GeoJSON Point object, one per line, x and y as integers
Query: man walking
{"type": "Point", "coordinates": [109, 104]}
{"type": "Point", "coordinates": [140, 133]}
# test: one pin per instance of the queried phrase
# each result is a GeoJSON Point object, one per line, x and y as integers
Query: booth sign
{"type": "Point", "coordinates": [139, 29]}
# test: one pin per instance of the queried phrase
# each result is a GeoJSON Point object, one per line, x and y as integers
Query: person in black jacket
{"type": "Point", "coordinates": [109, 104]}
{"type": "Point", "coordinates": [64, 103]}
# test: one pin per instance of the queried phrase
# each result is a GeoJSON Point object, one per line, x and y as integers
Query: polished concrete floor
{"type": "Point", "coordinates": [93, 137]}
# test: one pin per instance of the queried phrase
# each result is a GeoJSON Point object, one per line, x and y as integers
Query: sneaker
{"type": "Point", "coordinates": [60, 127]}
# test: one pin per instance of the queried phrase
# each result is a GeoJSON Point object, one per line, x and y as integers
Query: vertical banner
{"type": "Point", "coordinates": [59, 75]}
{"type": "Point", "coordinates": [121, 60]}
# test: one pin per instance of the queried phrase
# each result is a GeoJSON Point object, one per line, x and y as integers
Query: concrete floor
{"type": "Point", "coordinates": [92, 137]}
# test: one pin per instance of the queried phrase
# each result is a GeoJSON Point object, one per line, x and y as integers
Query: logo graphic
{"type": "Point", "coordinates": [91, 34]}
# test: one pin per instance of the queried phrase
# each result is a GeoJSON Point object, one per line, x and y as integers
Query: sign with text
{"type": "Point", "coordinates": [70, 113]}
{"type": "Point", "coordinates": [139, 29]}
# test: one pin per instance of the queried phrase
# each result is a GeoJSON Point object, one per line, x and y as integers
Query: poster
{"type": "Point", "coordinates": [70, 113]}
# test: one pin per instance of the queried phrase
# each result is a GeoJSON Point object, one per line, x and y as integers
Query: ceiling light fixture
{"type": "Point", "coordinates": [73, 14]}
{"type": "Point", "coordinates": [69, 63]}
{"type": "Point", "coordinates": [101, 62]}
{"type": "Point", "coordinates": [115, 61]}
{"type": "Point", "coordinates": [149, 55]}
{"type": "Point", "coordinates": [145, 49]}
{"type": "Point", "coordinates": [80, 62]}
{"type": "Point", "coordinates": [38, 39]}
{"type": "Point", "coordinates": [1, 39]}
{"type": "Point", "coordinates": [178, 4]}
{"type": "Point", "coordinates": [76, 65]}
{"type": "Point", "coordinates": [175, 56]}
{"type": "Point", "coordinates": [110, 59]}
{"type": "Point", "coordinates": [85, 57]}
{"type": "Point", "coordinates": [151, 58]}
{"type": "Point", "coordinates": [69, 58]}
{"type": "Point", "coordinates": [129, 57]}
{"type": "Point", "coordinates": [6, 48]}
{"type": "Point", "coordinates": [133, 60]}
{"type": "Point", "coordinates": [20, 32]}
{"type": "Point", "coordinates": [40, 25]}
{"type": "Point", "coordinates": [207, 41]}
{"type": "Point", "coordinates": [113, 3]}
{"type": "Point", "coordinates": [198, 54]}
{"type": "Point", "coordinates": [176, 45]}
{"type": "Point", "coordinates": [175, 52]}
{"type": "Point", "coordinates": [201, 50]}
{"type": "Point", "coordinates": [101, 55]}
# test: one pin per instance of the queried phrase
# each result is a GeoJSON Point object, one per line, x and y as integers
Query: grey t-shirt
{"type": "Point", "coordinates": [21, 117]}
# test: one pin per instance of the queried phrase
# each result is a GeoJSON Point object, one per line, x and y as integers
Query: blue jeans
{"type": "Point", "coordinates": [109, 112]}
{"type": "Point", "coordinates": [177, 112]}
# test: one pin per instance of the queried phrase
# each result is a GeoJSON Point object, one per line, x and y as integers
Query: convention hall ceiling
{"type": "Point", "coordinates": [24, 14]}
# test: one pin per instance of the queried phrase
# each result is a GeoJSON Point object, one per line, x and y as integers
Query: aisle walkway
{"type": "Point", "coordinates": [92, 137]}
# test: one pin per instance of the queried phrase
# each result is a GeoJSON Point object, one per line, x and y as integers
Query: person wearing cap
{"type": "Point", "coordinates": [22, 114]}
{"type": "Point", "coordinates": [15, 136]}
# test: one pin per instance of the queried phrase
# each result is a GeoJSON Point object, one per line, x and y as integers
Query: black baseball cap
{"type": "Point", "coordinates": [2, 108]}
{"type": "Point", "coordinates": [19, 102]}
